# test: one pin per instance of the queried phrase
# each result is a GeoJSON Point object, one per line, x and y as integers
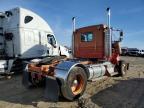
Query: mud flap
{"type": "Point", "coordinates": [25, 79]}
{"type": "Point", "coordinates": [51, 89]}
{"type": "Point", "coordinates": [127, 65]}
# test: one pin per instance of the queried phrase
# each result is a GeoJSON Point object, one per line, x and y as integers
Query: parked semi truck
{"type": "Point", "coordinates": [24, 36]}
{"type": "Point", "coordinates": [95, 55]}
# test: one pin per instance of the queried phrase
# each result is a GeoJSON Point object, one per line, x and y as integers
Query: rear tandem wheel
{"type": "Point", "coordinates": [75, 84]}
{"type": "Point", "coordinates": [123, 67]}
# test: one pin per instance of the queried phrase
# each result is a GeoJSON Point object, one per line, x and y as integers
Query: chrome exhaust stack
{"type": "Point", "coordinates": [108, 38]}
{"type": "Point", "coordinates": [73, 22]}
{"type": "Point", "coordinates": [74, 29]}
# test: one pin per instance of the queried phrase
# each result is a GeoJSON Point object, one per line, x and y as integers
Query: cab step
{"type": "Point", "coordinates": [113, 73]}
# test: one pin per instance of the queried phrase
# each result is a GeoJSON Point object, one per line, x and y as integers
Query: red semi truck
{"type": "Point", "coordinates": [95, 55]}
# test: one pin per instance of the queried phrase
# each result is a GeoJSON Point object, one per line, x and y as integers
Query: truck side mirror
{"type": "Point", "coordinates": [121, 33]}
{"type": "Point", "coordinates": [121, 36]}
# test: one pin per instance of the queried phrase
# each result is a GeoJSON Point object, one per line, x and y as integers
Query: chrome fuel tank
{"type": "Point", "coordinates": [96, 71]}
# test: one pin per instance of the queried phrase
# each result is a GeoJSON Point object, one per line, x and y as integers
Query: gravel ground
{"type": "Point", "coordinates": [112, 92]}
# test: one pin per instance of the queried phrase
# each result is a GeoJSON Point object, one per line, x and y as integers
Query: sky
{"type": "Point", "coordinates": [125, 14]}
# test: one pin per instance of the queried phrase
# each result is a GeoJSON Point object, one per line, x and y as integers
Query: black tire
{"type": "Point", "coordinates": [76, 79]}
{"type": "Point", "coordinates": [122, 68]}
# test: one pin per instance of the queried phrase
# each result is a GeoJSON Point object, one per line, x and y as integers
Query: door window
{"type": "Point", "coordinates": [51, 40]}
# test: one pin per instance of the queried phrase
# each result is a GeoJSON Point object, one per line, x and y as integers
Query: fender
{"type": "Point", "coordinates": [62, 70]}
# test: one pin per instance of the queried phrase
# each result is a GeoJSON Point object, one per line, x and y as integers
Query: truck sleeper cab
{"type": "Point", "coordinates": [24, 36]}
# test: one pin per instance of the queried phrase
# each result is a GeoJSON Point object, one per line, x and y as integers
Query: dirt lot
{"type": "Point", "coordinates": [114, 92]}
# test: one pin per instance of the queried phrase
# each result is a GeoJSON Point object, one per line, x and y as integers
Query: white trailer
{"type": "Point", "coordinates": [24, 36]}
